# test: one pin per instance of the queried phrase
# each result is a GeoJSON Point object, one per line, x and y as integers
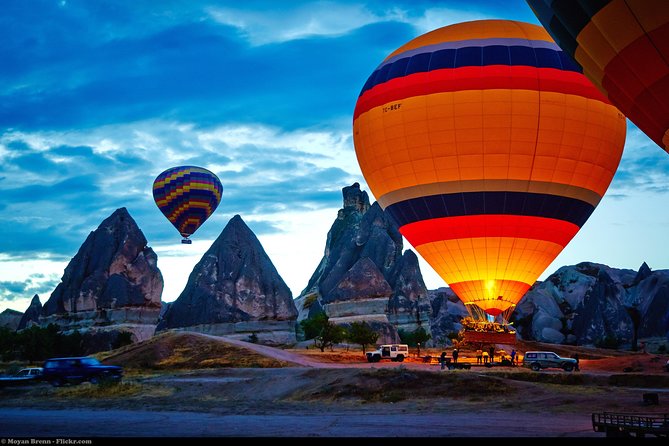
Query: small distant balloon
{"type": "Point", "coordinates": [187, 196]}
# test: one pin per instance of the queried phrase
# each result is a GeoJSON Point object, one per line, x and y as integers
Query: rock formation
{"type": "Point", "coordinates": [236, 291]}
{"type": "Point", "coordinates": [32, 314]}
{"type": "Point", "coordinates": [111, 285]}
{"type": "Point", "coordinates": [409, 307]}
{"type": "Point", "coordinates": [593, 304]}
{"type": "Point", "coordinates": [10, 319]}
{"type": "Point", "coordinates": [363, 274]}
{"type": "Point", "coordinates": [447, 311]}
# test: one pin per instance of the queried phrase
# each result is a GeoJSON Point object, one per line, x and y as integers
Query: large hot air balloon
{"type": "Point", "coordinates": [623, 47]}
{"type": "Point", "coordinates": [187, 196]}
{"type": "Point", "coordinates": [489, 149]}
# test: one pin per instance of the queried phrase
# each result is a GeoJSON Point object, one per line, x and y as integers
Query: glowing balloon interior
{"type": "Point", "coordinates": [187, 196]}
{"type": "Point", "coordinates": [488, 147]}
{"type": "Point", "coordinates": [623, 47]}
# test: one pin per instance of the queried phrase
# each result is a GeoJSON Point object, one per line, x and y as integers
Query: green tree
{"type": "Point", "coordinates": [415, 338]}
{"type": "Point", "coordinates": [69, 345]}
{"type": "Point", "coordinates": [312, 326]}
{"type": "Point", "coordinates": [635, 315]}
{"type": "Point", "coordinates": [322, 331]}
{"type": "Point", "coordinates": [361, 333]}
{"type": "Point", "coordinates": [124, 338]}
{"type": "Point", "coordinates": [8, 344]}
{"type": "Point", "coordinates": [37, 343]}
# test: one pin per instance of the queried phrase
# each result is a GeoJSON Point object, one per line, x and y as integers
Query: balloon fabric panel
{"type": "Point", "coordinates": [623, 47]}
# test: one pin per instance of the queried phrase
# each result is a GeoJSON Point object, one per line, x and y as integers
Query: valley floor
{"type": "Point", "coordinates": [338, 394]}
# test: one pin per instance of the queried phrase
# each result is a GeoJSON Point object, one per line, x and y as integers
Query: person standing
{"type": "Point", "coordinates": [513, 356]}
{"type": "Point", "coordinates": [485, 357]}
{"type": "Point", "coordinates": [577, 368]}
{"type": "Point", "coordinates": [479, 356]}
{"type": "Point", "coordinates": [455, 356]}
{"type": "Point", "coordinates": [491, 351]}
{"type": "Point", "coordinates": [442, 360]}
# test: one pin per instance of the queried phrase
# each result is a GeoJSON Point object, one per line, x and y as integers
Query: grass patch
{"type": "Point", "coordinates": [309, 300]}
{"type": "Point", "coordinates": [182, 350]}
{"type": "Point", "coordinates": [571, 379]}
{"type": "Point", "coordinates": [635, 380]}
{"type": "Point", "coordinates": [103, 390]}
{"type": "Point", "coordinates": [394, 385]}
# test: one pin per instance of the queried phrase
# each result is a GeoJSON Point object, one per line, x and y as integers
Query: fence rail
{"type": "Point", "coordinates": [626, 424]}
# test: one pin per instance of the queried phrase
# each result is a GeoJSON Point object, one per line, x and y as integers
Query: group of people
{"type": "Point", "coordinates": [488, 356]}
{"type": "Point", "coordinates": [482, 356]}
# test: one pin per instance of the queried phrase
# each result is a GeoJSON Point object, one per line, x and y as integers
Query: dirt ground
{"type": "Point", "coordinates": [306, 382]}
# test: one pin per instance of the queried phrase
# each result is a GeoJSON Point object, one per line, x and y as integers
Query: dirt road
{"type": "Point", "coordinates": [113, 423]}
{"type": "Point", "coordinates": [295, 358]}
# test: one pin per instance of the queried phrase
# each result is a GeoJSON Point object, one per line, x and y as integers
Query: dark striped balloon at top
{"type": "Point", "coordinates": [187, 196]}
{"type": "Point", "coordinates": [488, 147]}
{"type": "Point", "coordinates": [623, 47]}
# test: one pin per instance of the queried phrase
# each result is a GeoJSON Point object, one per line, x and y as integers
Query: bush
{"type": "Point", "coordinates": [413, 338]}
{"type": "Point", "coordinates": [309, 300]}
{"type": "Point", "coordinates": [35, 343]}
{"type": "Point", "coordinates": [253, 338]}
{"type": "Point", "coordinates": [608, 341]}
{"type": "Point", "coordinates": [124, 338]}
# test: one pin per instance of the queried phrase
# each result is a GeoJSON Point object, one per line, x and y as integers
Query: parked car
{"type": "Point", "coordinates": [23, 376]}
{"type": "Point", "coordinates": [545, 360]}
{"type": "Point", "coordinates": [394, 352]}
{"type": "Point", "coordinates": [30, 373]}
{"type": "Point", "coordinates": [59, 371]}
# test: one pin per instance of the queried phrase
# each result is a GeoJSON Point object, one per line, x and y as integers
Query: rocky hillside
{"type": "Point", "coordinates": [10, 319]}
{"type": "Point", "coordinates": [111, 285]}
{"type": "Point", "coordinates": [32, 314]}
{"type": "Point", "coordinates": [364, 275]}
{"type": "Point", "coordinates": [447, 311]}
{"type": "Point", "coordinates": [593, 304]}
{"type": "Point", "coordinates": [235, 290]}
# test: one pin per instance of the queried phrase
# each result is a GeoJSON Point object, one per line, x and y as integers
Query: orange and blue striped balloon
{"type": "Point", "coordinates": [623, 47]}
{"type": "Point", "coordinates": [488, 147]}
{"type": "Point", "coordinates": [187, 196]}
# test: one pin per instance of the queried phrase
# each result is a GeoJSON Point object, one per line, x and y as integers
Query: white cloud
{"type": "Point", "coordinates": [331, 148]}
{"type": "Point", "coordinates": [439, 17]}
{"type": "Point", "coordinates": [34, 273]}
{"type": "Point", "coordinates": [328, 19]}
{"type": "Point", "coordinates": [325, 19]}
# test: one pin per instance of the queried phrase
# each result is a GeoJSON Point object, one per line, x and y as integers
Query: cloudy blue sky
{"type": "Point", "coordinates": [98, 97]}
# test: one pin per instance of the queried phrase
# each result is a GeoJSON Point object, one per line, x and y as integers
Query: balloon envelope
{"type": "Point", "coordinates": [187, 196]}
{"type": "Point", "coordinates": [488, 147]}
{"type": "Point", "coordinates": [623, 47]}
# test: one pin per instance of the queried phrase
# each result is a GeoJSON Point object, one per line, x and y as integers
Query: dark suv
{"type": "Point", "coordinates": [59, 371]}
{"type": "Point", "coordinates": [544, 360]}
